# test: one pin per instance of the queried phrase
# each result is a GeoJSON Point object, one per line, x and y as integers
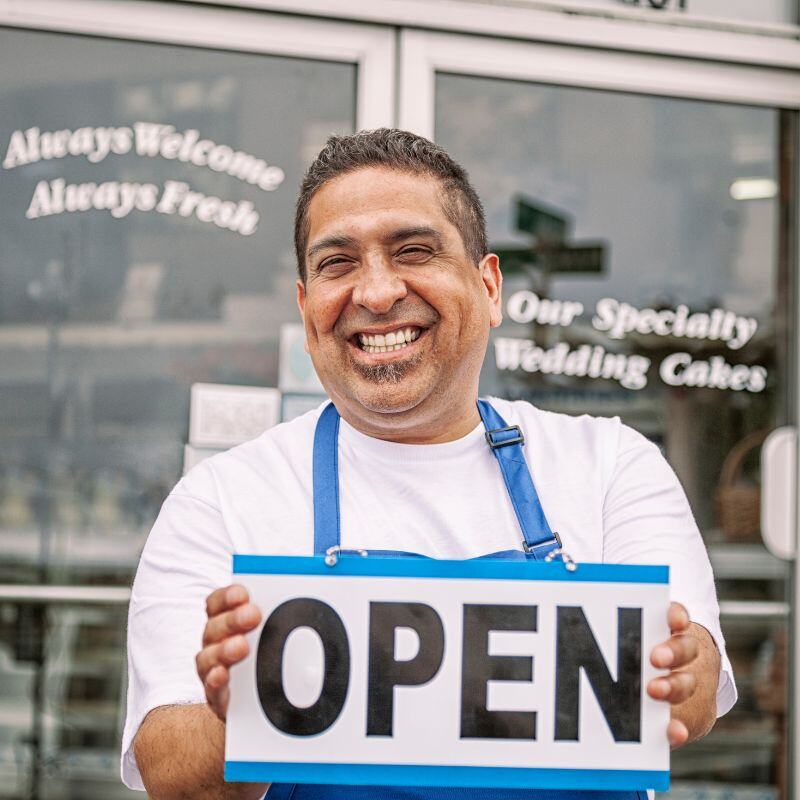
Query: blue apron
{"type": "Point", "coordinates": [538, 543]}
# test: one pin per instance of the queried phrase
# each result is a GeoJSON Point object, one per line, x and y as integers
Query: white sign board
{"type": "Point", "coordinates": [223, 416]}
{"type": "Point", "coordinates": [417, 672]}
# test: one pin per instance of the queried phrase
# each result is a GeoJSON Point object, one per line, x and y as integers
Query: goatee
{"type": "Point", "coordinates": [393, 372]}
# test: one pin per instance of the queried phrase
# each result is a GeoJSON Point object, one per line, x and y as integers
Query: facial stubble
{"type": "Point", "coordinates": [392, 372]}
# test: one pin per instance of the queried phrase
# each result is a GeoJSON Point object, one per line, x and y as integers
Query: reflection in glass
{"type": "Point", "coordinates": [82, 710]}
{"type": "Point", "coordinates": [147, 204]}
{"type": "Point", "coordinates": [645, 276]}
{"type": "Point", "coordinates": [179, 270]}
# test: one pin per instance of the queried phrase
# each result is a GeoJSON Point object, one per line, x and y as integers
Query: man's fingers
{"type": "Point", "coordinates": [675, 688]}
{"type": "Point", "coordinates": [229, 616]}
{"type": "Point", "coordinates": [240, 620]}
{"type": "Point", "coordinates": [677, 733]}
{"type": "Point", "coordinates": [678, 618]}
{"type": "Point", "coordinates": [676, 652]}
{"type": "Point", "coordinates": [226, 598]}
{"type": "Point", "coordinates": [229, 652]}
{"type": "Point", "coordinates": [217, 679]}
{"type": "Point", "coordinates": [217, 691]}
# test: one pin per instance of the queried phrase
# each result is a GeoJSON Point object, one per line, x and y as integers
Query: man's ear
{"type": "Point", "coordinates": [301, 304]}
{"type": "Point", "coordinates": [301, 298]}
{"type": "Point", "coordinates": [493, 282]}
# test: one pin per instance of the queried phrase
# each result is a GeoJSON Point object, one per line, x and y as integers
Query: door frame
{"type": "Point", "coordinates": [370, 47]}
{"type": "Point", "coordinates": [577, 22]}
{"type": "Point", "coordinates": [422, 54]}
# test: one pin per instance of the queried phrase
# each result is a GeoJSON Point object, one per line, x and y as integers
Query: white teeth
{"type": "Point", "coordinates": [386, 349]}
{"type": "Point", "coordinates": [383, 343]}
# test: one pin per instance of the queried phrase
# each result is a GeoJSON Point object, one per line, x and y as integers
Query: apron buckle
{"type": "Point", "coordinates": [495, 441]}
{"type": "Point", "coordinates": [529, 548]}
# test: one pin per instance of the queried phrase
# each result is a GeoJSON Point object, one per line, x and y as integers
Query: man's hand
{"type": "Point", "coordinates": [690, 688]}
{"type": "Point", "coordinates": [230, 616]}
{"type": "Point", "coordinates": [180, 750]}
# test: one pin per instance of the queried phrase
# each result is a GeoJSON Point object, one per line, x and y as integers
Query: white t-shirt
{"type": "Point", "coordinates": [606, 489]}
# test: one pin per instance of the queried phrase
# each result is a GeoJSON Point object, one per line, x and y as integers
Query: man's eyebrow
{"type": "Point", "coordinates": [409, 233]}
{"type": "Point", "coordinates": [328, 242]}
{"type": "Point", "coordinates": [395, 236]}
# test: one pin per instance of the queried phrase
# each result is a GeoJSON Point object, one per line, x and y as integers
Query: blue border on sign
{"type": "Point", "coordinates": [424, 775]}
{"type": "Point", "coordinates": [377, 566]}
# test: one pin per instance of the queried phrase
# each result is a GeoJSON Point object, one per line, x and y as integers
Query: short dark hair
{"type": "Point", "coordinates": [403, 151]}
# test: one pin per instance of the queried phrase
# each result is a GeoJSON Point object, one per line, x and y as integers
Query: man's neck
{"type": "Point", "coordinates": [410, 427]}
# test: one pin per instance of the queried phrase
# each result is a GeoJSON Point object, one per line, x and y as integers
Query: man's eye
{"type": "Point", "coordinates": [337, 261]}
{"type": "Point", "coordinates": [415, 252]}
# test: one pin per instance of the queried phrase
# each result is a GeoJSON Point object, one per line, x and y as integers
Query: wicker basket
{"type": "Point", "coordinates": [738, 501]}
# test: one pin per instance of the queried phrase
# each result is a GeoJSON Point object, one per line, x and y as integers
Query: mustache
{"type": "Point", "coordinates": [401, 313]}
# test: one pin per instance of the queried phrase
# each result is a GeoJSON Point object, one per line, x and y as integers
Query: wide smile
{"type": "Point", "coordinates": [392, 341]}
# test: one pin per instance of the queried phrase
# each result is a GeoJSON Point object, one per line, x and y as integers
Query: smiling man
{"type": "Point", "coordinates": [384, 259]}
{"type": "Point", "coordinates": [398, 294]}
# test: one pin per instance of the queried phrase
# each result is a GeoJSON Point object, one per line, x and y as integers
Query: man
{"type": "Point", "coordinates": [397, 292]}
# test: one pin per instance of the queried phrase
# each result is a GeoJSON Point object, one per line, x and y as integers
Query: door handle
{"type": "Point", "coordinates": [779, 492]}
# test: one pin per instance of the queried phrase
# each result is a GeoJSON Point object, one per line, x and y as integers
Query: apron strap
{"type": "Point", "coordinates": [506, 443]}
{"type": "Point", "coordinates": [326, 481]}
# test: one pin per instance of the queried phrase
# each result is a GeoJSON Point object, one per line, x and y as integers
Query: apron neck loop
{"type": "Point", "coordinates": [326, 481]}
{"type": "Point", "coordinates": [506, 443]}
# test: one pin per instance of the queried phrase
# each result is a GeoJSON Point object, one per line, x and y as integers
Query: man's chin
{"type": "Point", "coordinates": [387, 392]}
{"type": "Point", "coordinates": [385, 400]}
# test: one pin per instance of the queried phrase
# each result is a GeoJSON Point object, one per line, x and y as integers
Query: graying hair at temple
{"type": "Point", "coordinates": [400, 150]}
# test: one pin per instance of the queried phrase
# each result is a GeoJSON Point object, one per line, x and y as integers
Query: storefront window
{"type": "Point", "coordinates": [646, 274]}
{"type": "Point", "coordinates": [146, 207]}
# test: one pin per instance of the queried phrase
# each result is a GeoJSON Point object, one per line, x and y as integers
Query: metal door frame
{"type": "Point", "coordinates": [371, 48]}
{"type": "Point", "coordinates": [618, 27]}
{"type": "Point", "coordinates": [422, 54]}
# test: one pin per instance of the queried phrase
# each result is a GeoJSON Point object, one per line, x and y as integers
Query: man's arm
{"type": "Point", "coordinates": [691, 686]}
{"type": "Point", "coordinates": [647, 520]}
{"type": "Point", "coordinates": [180, 752]}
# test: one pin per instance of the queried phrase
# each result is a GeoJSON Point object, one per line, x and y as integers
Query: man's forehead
{"type": "Point", "coordinates": [377, 175]}
{"type": "Point", "coordinates": [377, 202]}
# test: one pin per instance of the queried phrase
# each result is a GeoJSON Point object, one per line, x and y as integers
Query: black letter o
{"type": "Point", "coordinates": [303, 612]}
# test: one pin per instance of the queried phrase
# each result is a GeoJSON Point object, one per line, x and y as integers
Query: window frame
{"type": "Point", "coordinates": [423, 54]}
{"type": "Point", "coordinates": [371, 48]}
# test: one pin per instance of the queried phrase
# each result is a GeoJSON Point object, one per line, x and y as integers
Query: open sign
{"type": "Point", "coordinates": [452, 673]}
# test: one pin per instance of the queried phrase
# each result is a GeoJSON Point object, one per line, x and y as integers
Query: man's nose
{"type": "Point", "coordinates": [379, 286]}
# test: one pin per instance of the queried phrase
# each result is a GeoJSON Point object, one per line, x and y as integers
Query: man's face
{"type": "Point", "coordinates": [396, 315]}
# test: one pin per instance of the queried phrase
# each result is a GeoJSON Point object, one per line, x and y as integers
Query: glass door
{"type": "Point", "coordinates": [644, 212]}
{"type": "Point", "coordinates": [150, 156]}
